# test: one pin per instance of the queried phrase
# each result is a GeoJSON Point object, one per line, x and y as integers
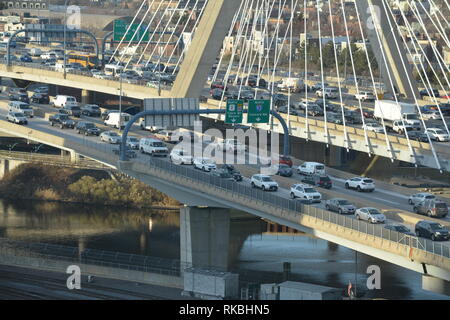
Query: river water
{"type": "Point", "coordinates": [157, 234]}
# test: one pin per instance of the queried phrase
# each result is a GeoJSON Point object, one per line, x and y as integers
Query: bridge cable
{"type": "Point", "coordinates": [415, 98]}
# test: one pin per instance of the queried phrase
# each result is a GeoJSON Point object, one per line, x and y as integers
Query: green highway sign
{"type": "Point", "coordinates": [120, 28]}
{"type": "Point", "coordinates": [234, 111]}
{"type": "Point", "coordinates": [258, 111]}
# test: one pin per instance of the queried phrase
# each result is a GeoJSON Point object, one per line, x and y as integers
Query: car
{"type": "Point", "coordinates": [431, 115]}
{"type": "Point", "coordinates": [91, 110]}
{"type": "Point", "coordinates": [417, 136]}
{"type": "Point", "coordinates": [308, 168]}
{"type": "Point", "coordinates": [328, 93]}
{"type": "Point", "coordinates": [205, 164]}
{"type": "Point", "coordinates": [352, 116]}
{"type": "Point", "coordinates": [62, 120]}
{"type": "Point", "coordinates": [25, 58]}
{"type": "Point", "coordinates": [105, 113]}
{"type": "Point", "coordinates": [318, 180]}
{"type": "Point", "coordinates": [231, 169]}
{"type": "Point", "coordinates": [374, 127]}
{"type": "Point", "coordinates": [20, 96]}
{"type": "Point", "coordinates": [40, 98]}
{"type": "Point", "coordinates": [283, 170]}
{"type": "Point", "coordinates": [179, 156]}
{"type": "Point", "coordinates": [263, 182]}
{"type": "Point", "coordinates": [360, 184]}
{"type": "Point", "coordinates": [216, 94]}
{"type": "Point", "coordinates": [41, 89]}
{"type": "Point", "coordinates": [223, 174]}
{"type": "Point", "coordinates": [23, 107]}
{"type": "Point", "coordinates": [365, 96]}
{"type": "Point", "coordinates": [61, 101]}
{"type": "Point", "coordinates": [419, 197]}
{"type": "Point", "coordinates": [369, 214]}
{"type": "Point", "coordinates": [437, 134]}
{"type": "Point", "coordinates": [314, 110]}
{"type": "Point", "coordinates": [283, 160]}
{"type": "Point", "coordinates": [132, 143]}
{"type": "Point", "coordinates": [426, 93]}
{"type": "Point", "coordinates": [73, 110]}
{"type": "Point", "coordinates": [431, 230]}
{"type": "Point", "coordinates": [129, 153]}
{"type": "Point", "coordinates": [87, 128]}
{"type": "Point", "coordinates": [341, 206]}
{"type": "Point", "coordinates": [110, 137]}
{"type": "Point", "coordinates": [153, 146]}
{"type": "Point", "coordinates": [432, 208]}
{"type": "Point", "coordinates": [16, 117]}
{"type": "Point", "coordinates": [305, 192]}
{"type": "Point", "coordinates": [399, 228]}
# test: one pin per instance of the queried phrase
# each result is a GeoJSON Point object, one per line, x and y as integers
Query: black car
{"type": "Point", "coordinates": [21, 96]}
{"type": "Point", "coordinates": [425, 93]}
{"type": "Point", "coordinates": [91, 110]}
{"type": "Point", "coordinates": [431, 230]}
{"type": "Point", "coordinates": [279, 99]}
{"type": "Point", "coordinates": [284, 170]}
{"type": "Point", "coordinates": [40, 98]}
{"type": "Point", "coordinates": [62, 120]}
{"type": "Point", "coordinates": [216, 94]}
{"type": "Point", "coordinates": [233, 171]}
{"type": "Point", "coordinates": [417, 136]}
{"type": "Point", "coordinates": [399, 228]}
{"type": "Point", "coordinates": [222, 173]}
{"type": "Point", "coordinates": [318, 180]}
{"type": "Point", "coordinates": [87, 128]}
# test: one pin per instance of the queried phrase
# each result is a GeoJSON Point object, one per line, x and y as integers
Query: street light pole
{"type": "Point", "coordinates": [65, 25]}
{"type": "Point", "coordinates": [120, 102]}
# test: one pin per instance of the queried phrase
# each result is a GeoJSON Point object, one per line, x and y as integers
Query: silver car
{"type": "Point", "coordinates": [16, 117]}
{"type": "Point", "coordinates": [371, 215]}
{"type": "Point", "coordinates": [110, 137]}
{"type": "Point", "coordinates": [341, 206]}
{"type": "Point", "coordinates": [419, 197]}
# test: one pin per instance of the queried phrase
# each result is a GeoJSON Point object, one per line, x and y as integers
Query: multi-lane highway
{"type": "Point", "coordinates": [383, 198]}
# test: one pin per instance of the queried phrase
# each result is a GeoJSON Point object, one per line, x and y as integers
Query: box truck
{"type": "Point", "coordinates": [392, 111]}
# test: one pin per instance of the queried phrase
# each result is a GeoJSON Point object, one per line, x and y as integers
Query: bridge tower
{"type": "Point", "coordinates": [374, 15]}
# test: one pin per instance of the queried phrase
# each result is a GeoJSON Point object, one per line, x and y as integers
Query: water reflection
{"type": "Point", "coordinates": [258, 255]}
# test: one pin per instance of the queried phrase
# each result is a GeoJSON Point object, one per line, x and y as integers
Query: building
{"type": "Point", "coordinates": [25, 4]}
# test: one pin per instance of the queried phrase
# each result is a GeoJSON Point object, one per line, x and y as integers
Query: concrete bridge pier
{"type": "Point", "coordinates": [7, 165]}
{"type": "Point", "coordinates": [204, 237]}
{"type": "Point", "coordinates": [436, 285]}
{"type": "Point", "coordinates": [86, 96]}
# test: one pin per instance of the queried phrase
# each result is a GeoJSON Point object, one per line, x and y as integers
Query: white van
{"type": "Point", "coordinates": [308, 168]}
{"type": "Point", "coordinates": [113, 70]}
{"type": "Point", "coordinates": [153, 147]}
{"type": "Point", "coordinates": [19, 106]}
{"type": "Point", "coordinates": [117, 120]}
{"type": "Point", "coordinates": [61, 101]}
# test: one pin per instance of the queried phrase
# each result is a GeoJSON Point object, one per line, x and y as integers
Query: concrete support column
{"type": "Point", "coordinates": [435, 285]}
{"type": "Point", "coordinates": [334, 156]}
{"type": "Point", "coordinates": [74, 157]}
{"type": "Point", "coordinates": [204, 237]}
{"type": "Point", "coordinates": [85, 96]}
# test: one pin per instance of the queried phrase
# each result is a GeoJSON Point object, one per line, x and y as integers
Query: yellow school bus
{"type": "Point", "coordinates": [85, 59]}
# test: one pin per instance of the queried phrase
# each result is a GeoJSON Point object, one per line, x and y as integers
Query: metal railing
{"type": "Point", "coordinates": [103, 258]}
{"type": "Point", "coordinates": [296, 207]}
{"type": "Point", "coordinates": [52, 159]}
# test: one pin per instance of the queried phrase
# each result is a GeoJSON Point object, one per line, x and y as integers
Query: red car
{"type": "Point", "coordinates": [284, 160]}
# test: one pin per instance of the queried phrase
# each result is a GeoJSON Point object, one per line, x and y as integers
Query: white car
{"type": "Point", "coordinates": [437, 134]}
{"type": "Point", "coordinates": [264, 182]}
{"type": "Point", "coordinates": [132, 142]}
{"type": "Point", "coordinates": [179, 156]}
{"type": "Point", "coordinates": [365, 96]}
{"type": "Point", "coordinates": [110, 137]}
{"type": "Point", "coordinates": [305, 192]}
{"type": "Point", "coordinates": [419, 197]}
{"type": "Point", "coordinates": [205, 164]}
{"type": "Point", "coordinates": [360, 184]}
{"type": "Point", "coordinates": [16, 117]}
{"type": "Point", "coordinates": [431, 115]}
{"type": "Point", "coordinates": [371, 215]}
{"type": "Point", "coordinates": [329, 93]}
{"type": "Point", "coordinates": [373, 126]}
